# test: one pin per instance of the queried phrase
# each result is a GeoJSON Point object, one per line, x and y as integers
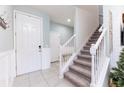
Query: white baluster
{"type": "Point", "coordinates": [98, 53]}
{"type": "Point", "coordinates": [60, 63]}
{"type": "Point", "coordinates": [93, 53]}
{"type": "Point", "coordinates": [66, 53]}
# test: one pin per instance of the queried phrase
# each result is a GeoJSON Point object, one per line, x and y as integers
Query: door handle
{"type": "Point", "coordinates": [39, 48]}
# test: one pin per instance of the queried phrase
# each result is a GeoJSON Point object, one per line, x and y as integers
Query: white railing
{"type": "Point", "coordinates": [98, 53]}
{"type": "Point", "coordinates": [66, 52]}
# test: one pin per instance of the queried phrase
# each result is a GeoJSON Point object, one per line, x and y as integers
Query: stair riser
{"type": "Point", "coordinates": [79, 63]}
{"type": "Point", "coordinates": [84, 58]}
{"type": "Point", "coordinates": [87, 48]}
{"type": "Point", "coordinates": [92, 40]}
{"type": "Point", "coordinates": [85, 53]}
{"type": "Point", "coordinates": [96, 34]}
{"type": "Point", "coordinates": [94, 37]}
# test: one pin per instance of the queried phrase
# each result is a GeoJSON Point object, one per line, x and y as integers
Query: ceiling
{"type": "Point", "coordinates": [58, 13]}
{"type": "Point", "coordinates": [88, 7]}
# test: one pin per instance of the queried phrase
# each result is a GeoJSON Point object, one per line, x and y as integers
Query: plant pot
{"type": "Point", "coordinates": [111, 83]}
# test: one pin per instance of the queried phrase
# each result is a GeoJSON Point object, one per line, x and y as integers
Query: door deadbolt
{"type": "Point", "coordinates": [39, 46]}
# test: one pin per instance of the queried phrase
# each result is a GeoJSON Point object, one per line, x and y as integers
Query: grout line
{"type": "Point", "coordinates": [44, 79]}
{"type": "Point", "coordinates": [54, 72]}
{"type": "Point", "coordinates": [29, 80]}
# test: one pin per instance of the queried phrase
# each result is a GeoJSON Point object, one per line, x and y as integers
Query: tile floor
{"type": "Point", "coordinates": [44, 78]}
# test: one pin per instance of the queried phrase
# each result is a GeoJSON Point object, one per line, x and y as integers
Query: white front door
{"type": "Point", "coordinates": [28, 43]}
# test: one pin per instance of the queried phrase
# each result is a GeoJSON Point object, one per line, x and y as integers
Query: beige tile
{"type": "Point", "coordinates": [44, 78]}
{"type": "Point", "coordinates": [42, 84]}
{"type": "Point", "coordinates": [53, 81]}
{"type": "Point", "coordinates": [21, 84]}
{"type": "Point", "coordinates": [51, 76]}
{"type": "Point", "coordinates": [64, 83]}
{"type": "Point", "coordinates": [21, 81]}
{"type": "Point", "coordinates": [50, 73]}
{"type": "Point", "coordinates": [36, 79]}
{"type": "Point", "coordinates": [35, 74]}
{"type": "Point", "coordinates": [55, 65]}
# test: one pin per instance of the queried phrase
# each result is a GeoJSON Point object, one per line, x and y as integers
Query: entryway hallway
{"type": "Point", "coordinates": [44, 78]}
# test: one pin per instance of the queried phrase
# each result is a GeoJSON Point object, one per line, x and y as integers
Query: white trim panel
{"type": "Point", "coordinates": [7, 68]}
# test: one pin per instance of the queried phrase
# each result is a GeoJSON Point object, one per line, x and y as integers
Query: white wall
{"type": "Point", "coordinates": [64, 31]}
{"type": "Point", "coordinates": [59, 34]}
{"type": "Point", "coordinates": [116, 20]}
{"type": "Point", "coordinates": [100, 14]}
{"type": "Point", "coordinates": [116, 15]}
{"type": "Point", "coordinates": [7, 68]}
{"type": "Point", "coordinates": [7, 60]}
{"type": "Point", "coordinates": [86, 22]}
{"type": "Point", "coordinates": [6, 36]}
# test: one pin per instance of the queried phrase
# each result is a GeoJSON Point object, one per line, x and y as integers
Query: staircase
{"type": "Point", "coordinates": [79, 72]}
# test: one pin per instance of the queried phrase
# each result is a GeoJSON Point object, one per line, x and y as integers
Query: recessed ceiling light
{"type": "Point", "coordinates": [68, 20]}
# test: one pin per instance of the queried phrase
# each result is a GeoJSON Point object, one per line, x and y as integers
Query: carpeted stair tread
{"type": "Point", "coordinates": [96, 34]}
{"type": "Point", "coordinates": [81, 70]}
{"type": "Point", "coordinates": [92, 40]}
{"type": "Point", "coordinates": [82, 62]}
{"type": "Point", "coordinates": [77, 80]}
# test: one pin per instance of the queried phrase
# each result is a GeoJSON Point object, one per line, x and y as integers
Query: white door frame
{"type": "Point", "coordinates": [15, 38]}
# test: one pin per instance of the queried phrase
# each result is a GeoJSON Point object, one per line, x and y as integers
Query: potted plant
{"type": "Point", "coordinates": [116, 78]}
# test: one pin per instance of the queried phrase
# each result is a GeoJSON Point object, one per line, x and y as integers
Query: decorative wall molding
{"type": "Point", "coordinates": [7, 68]}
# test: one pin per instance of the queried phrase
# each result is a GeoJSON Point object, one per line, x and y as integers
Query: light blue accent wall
{"type": "Point", "coordinates": [46, 21]}
{"type": "Point", "coordinates": [65, 32]}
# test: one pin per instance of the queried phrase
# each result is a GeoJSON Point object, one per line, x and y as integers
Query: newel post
{"type": "Point", "coordinates": [93, 53]}
{"type": "Point", "coordinates": [60, 62]}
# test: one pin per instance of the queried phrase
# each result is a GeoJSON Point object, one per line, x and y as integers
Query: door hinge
{"type": "Point", "coordinates": [15, 15]}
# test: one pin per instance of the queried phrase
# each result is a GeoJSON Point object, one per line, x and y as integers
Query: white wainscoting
{"type": "Point", "coordinates": [7, 68]}
{"type": "Point", "coordinates": [46, 58]}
